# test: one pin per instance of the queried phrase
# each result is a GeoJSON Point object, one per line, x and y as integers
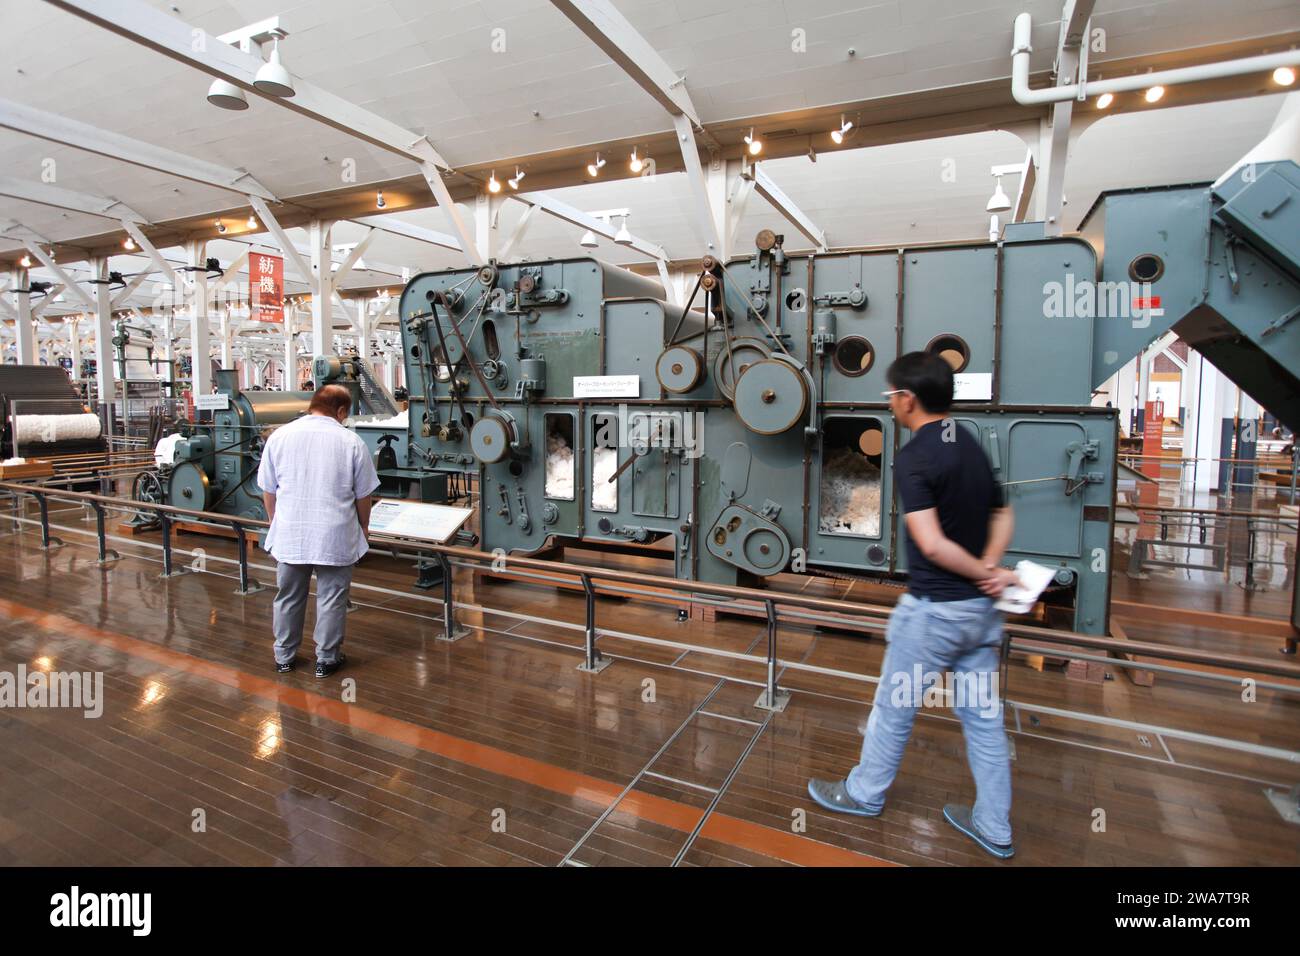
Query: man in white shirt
{"type": "Point", "coordinates": [316, 478]}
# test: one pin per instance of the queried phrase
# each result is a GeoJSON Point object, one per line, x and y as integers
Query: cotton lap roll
{"type": "Point", "coordinates": [48, 429]}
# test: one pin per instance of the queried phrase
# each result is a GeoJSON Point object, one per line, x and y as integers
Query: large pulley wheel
{"type": "Point", "coordinates": [771, 397]}
{"type": "Point", "coordinates": [189, 487]}
{"type": "Point", "coordinates": [679, 369]}
{"type": "Point", "coordinates": [490, 439]}
{"type": "Point", "coordinates": [731, 363]}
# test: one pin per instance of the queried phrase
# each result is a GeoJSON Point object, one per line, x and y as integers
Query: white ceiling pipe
{"type": "Point", "coordinates": [1021, 49]}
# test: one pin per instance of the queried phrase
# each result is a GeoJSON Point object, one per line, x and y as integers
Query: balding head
{"type": "Point", "coordinates": [333, 401]}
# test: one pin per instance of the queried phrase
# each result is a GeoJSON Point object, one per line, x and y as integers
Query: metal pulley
{"type": "Point", "coordinates": [749, 540]}
{"type": "Point", "coordinates": [743, 353]}
{"type": "Point", "coordinates": [772, 396]}
{"type": "Point", "coordinates": [679, 369]}
{"type": "Point", "coordinates": [189, 487]}
{"type": "Point", "coordinates": [492, 437]}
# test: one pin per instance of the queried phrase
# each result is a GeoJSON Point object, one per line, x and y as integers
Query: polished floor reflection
{"type": "Point", "coordinates": [496, 750]}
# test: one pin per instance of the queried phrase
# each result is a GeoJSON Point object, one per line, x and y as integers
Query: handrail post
{"type": "Point", "coordinates": [165, 527]}
{"type": "Point", "coordinates": [247, 585]}
{"type": "Point", "coordinates": [48, 542]}
{"type": "Point", "coordinates": [593, 661]}
{"type": "Point", "coordinates": [106, 554]}
{"type": "Point", "coordinates": [451, 631]}
{"type": "Point", "coordinates": [772, 698]}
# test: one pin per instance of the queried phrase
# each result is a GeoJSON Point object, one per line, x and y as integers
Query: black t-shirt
{"type": "Point", "coordinates": [943, 467]}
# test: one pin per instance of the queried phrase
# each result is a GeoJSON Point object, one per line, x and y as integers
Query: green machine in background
{"type": "Point", "coordinates": [751, 431]}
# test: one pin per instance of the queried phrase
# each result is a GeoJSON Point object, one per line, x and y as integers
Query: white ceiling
{"type": "Point", "coordinates": [429, 66]}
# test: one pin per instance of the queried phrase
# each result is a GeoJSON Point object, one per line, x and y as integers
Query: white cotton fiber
{"type": "Point", "coordinates": [604, 493]}
{"type": "Point", "coordinates": [850, 493]}
{"type": "Point", "coordinates": [559, 467]}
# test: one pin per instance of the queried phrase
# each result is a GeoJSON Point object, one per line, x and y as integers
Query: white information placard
{"type": "Point", "coordinates": [972, 386]}
{"type": "Point", "coordinates": [212, 403]}
{"type": "Point", "coordinates": [414, 519]}
{"type": "Point", "coordinates": [607, 386]}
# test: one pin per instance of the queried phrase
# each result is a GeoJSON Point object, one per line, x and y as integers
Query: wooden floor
{"type": "Point", "coordinates": [496, 750]}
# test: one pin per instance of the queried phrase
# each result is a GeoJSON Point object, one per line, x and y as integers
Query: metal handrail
{"type": "Point", "coordinates": [761, 602]}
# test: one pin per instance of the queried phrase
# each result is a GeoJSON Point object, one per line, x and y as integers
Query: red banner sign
{"type": "Point", "coordinates": [265, 288]}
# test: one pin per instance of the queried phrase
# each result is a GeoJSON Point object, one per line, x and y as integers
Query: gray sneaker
{"type": "Point", "coordinates": [834, 795]}
{"type": "Point", "coordinates": [960, 817]}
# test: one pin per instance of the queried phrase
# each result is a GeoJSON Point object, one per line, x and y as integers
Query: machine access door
{"type": "Point", "coordinates": [1048, 521]}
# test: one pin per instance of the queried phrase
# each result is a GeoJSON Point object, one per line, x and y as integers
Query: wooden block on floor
{"type": "Point", "coordinates": [1093, 672]}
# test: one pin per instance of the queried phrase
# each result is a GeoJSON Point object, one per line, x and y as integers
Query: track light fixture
{"type": "Point", "coordinates": [1104, 101]}
{"type": "Point", "coordinates": [623, 237]}
{"type": "Point", "coordinates": [755, 145]}
{"type": "Point", "coordinates": [593, 169]}
{"type": "Point", "coordinates": [227, 95]}
{"type": "Point", "coordinates": [839, 135]}
{"type": "Point", "coordinates": [1000, 201]}
{"type": "Point", "coordinates": [221, 227]}
{"type": "Point", "coordinates": [25, 262]}
{"type": "Point", "coordinates": [516, 178]}
{"type": "Point", "coordinates": [252, 222]}
{"type": "Point", "coordinates": [636, 163]}
{"type": "Point", "coordinates": [379, 199]}
{"type": "Point", "coordinates": [588, 240]}
{"type": "Point", "coordinates": [1284, 76]}
{"type": "Point", "coordinates": [128, 244]}
{"type": "Point", "coordinates": [1154, 94]}
{"type": "Point", "coordinates": [272, 78]}
{"type": "Point", "coordinates": [494, 184]}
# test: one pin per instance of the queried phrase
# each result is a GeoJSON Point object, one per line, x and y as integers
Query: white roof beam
{"type": "Point", "coordinates": [60, 129]}
{"type": "Point", "coordinates": [67, 282]}
{"type": "Point", "coordinates": [397, 227]}
{"type": "Point", "coordinates": [570, 214]}
{"type": "Point", "coordinates": [354, 256]}
{"type": "Point", "coordinates": [783, 204]}
{"type": "Point", "coordinates": [47, 195]}
{"type": "Point", "coordinates": [623, 44]}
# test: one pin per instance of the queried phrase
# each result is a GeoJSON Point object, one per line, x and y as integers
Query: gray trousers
{"type": "Point", "coordinates": [332, 584]}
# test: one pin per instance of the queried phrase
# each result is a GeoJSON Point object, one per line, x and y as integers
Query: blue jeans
{"type": "Point", "coordinates": [941, 638]}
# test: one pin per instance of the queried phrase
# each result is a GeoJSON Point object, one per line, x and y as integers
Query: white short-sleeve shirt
{"type": "Point", "coordinates": [317, 469]}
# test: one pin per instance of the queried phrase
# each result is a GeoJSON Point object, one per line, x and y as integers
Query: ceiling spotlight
{"type": "Point", "coordinates": [272, 78]}
{"type": "Point", "coordinates": [494, 184]}
{"type": "Point", "coordinates": [588, 240]}
{"type": "Point", "coordinates": [1284, 76]}
{"type": "Point", "coordinates": [128, 244]}
{"type": "Point", "coordinates": [593, 169]}
{"type": "Point", "coordinates": [252, 222]}
{"type": "Point", "coordinates": [636, 164]}
{"type": "Point", "coordinates": [1104, 101]}
{"type": "Point", "coordinates": [226, 95]}
{"type": "Point", "coordinates": [221, 227]}
{"type": "Point", "coordinates": [514, 181]}
{"type": "Point", "coordinates": [755, 144]}
{"type": "Point", "coordinates": [839, 134]}
{"type": "Point", "coordinates": [379, 199]}
{"type": "Point", "coordinates": [623, 237]}
{"type": "Point", "coordinates": [25, 262]}
{"type": "Point", "coordinates": [1154, 93]}
{"type": "Point", "coordinates": [1000, 201]}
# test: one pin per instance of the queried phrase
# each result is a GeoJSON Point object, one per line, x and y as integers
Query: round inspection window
{"type": "Point", "coordinates": [853, 355]}
{"type": "Point", "coordinates": [952, 349]}
{"type": "Point", "coordinates": [871, 442]}
{"type": "Point", "coordinates": [1146, 268]}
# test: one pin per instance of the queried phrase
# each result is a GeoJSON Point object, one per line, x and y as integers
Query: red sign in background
{"type": "Point", "coordinates": [265, 288]}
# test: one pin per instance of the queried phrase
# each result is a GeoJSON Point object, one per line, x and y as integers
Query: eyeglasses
{"type": "Point", "coordinates": [897, 391]}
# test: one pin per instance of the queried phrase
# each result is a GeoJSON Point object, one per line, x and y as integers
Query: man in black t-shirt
{"type": "Point", "coordinates": [945, 636]}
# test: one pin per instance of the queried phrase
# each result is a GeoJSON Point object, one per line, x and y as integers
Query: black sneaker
{"type": "Point", "coordinates": [284, 667]}
{"type": "Point", "coordinates": [324, 669]}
